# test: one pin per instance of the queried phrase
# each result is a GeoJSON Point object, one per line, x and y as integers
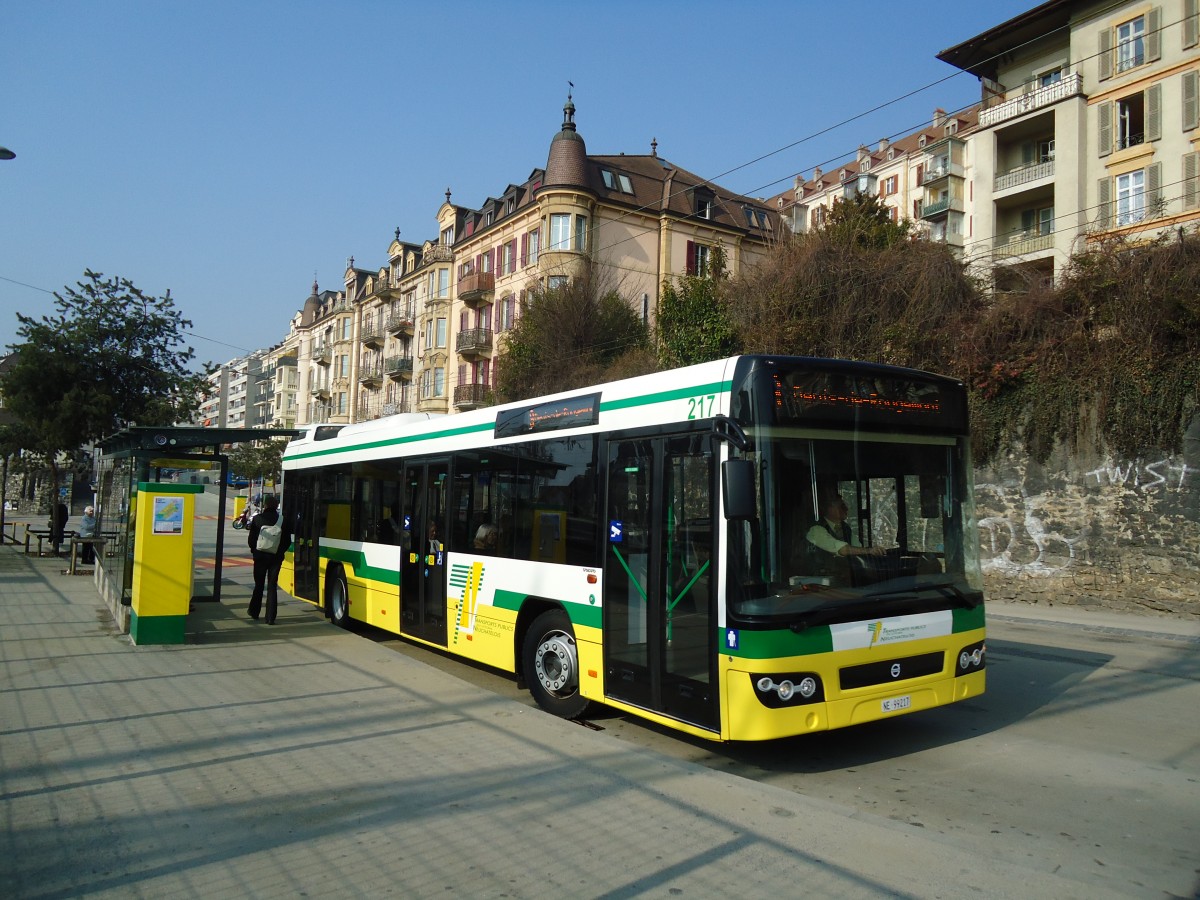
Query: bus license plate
{"type": "Point", "coordinates": [894, 704]}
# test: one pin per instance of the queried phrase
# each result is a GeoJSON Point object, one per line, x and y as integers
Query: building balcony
{"type": "Point", "coordinates": [437, 301]}
{"type": "Point", "coordinates": [935, 173]}
{"type": "Point", "coordinates": [396, 407]}
{"type": "Point", "coordinates": [323, 356]}
{"type": "Point", "coordinates": [474, 341]}
{"type": "Point", "coordinates": [1022, 243]}
{"type": "Point", "coordinates": [1031, 99]}
{"type": "Point", "coordinates": [371, 334]}
{"type": "Point", "coordinates": [320, 392]}
{"type": "Point", "coordinates": [472, 396]}
{"type": "Point", "coordinates": [371, 374]}
{"type": "Point", "coordinates": [384, 289]}
{"type": "Point", "coordinates": [942, 207]}
{"type": "Point", "coordinates": [431, 405]}
{"type": "Point", "coordinates": [1023, 176]}
{"type": "Point", "coordinates": [398, 367]}
{"type": "Point", "coordinates": [400, 321]}
{"type": "Point", "coordinates": [438, 253]}
{"type": "Point", "coordinates": [368, 411]}
{"type": "Point", "coordinates": [475, 290]}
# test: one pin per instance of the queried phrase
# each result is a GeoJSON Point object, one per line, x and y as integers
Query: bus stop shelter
{"type": "Point", "coordinates": [141, 454]}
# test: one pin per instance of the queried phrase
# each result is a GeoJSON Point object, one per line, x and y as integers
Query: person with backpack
{"type": "Point", "coordinates": [269, 540]}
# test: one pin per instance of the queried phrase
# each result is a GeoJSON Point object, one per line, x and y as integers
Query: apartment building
{"type": "Point", "coordinates": [1088, 128]}
{"type": "Point", "coordinates": [424, 332]}
{"type": "Point", "coordinates": [921, 176]}
{"type": "Point", "coordinates": [235, 394]}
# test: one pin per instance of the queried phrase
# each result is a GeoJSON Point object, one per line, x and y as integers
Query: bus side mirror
{"type": "Point", "coordinates": [737, 483]}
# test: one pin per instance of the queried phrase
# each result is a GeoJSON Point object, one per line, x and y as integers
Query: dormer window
{"type": "Point", "coordinates": [448, 237]}
{"type": "Point", "coordinates": [702, 201]}
{"type": "Point", "coordinates": [616, 181]}
{"type": "Point", "coordinates": [510, 205]}
{"type": "Point", "coordinates": [921, 141]}
{"type": "Point", "coordinates": [487, 218]}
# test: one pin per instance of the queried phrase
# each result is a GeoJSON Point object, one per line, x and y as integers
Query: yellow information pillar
{"type": "Point", "coordinates": [162, 562]}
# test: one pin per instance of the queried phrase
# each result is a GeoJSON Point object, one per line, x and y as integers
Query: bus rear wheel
{"type": "Point", "coordinates": [337, 601]}
{"type": "Point", "coordinates": [551, 665]}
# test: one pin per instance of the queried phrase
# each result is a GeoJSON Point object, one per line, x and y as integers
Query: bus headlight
{"type": "Point", "coordinates": [972, 659]}
{"type": "Point", "coordinates": [790, 689]}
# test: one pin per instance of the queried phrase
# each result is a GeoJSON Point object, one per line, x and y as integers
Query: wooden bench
{"type": "Point", "coordinates": [77, 542]}
{"type": "Point", "coordinates": [42, 534]}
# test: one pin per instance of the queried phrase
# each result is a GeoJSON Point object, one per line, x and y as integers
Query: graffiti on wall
{"type": "Point", "coordinates": [1018, 541]}
{"type": "Point", "coordinates": [1165, 473]}
{"type": "Point", "coordinates": [1090, 518]}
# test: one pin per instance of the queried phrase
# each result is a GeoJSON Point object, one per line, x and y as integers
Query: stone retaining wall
{"type": "Point", "coordinates": [1122, 534]}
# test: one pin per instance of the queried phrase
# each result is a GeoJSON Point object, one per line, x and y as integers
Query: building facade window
{"type": "Point", "coordinates": [533, 244]}
{"type": "Point", "coordinates": [1038, 222]}
{"type": "Point", "coordinates": [1131, 121]}
{"type": "Point", "coordinates": [1131, 197]}
{"type": "Point", "coordinates": [560, 231]}
{"type": "Point", "coordinates": [441, 333]}
{"type": "Point", "coordinates": [581, 224]}
{"type": "Point", "coordinates": [1131, 44]}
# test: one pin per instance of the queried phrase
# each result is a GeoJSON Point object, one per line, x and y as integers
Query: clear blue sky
{"type": "Point", "coordinates": [228, 151]}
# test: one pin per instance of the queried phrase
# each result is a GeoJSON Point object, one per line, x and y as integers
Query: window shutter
{"type": "Point", "coordinates": [1191, 180]}
{"type": "Point", "coordinates": [1104, 203]}
{"type": "Point", "coordinates": [1106, 54]}
{"type": "Point", "coordinates": [1191, 23]}
{"type": "Point", "coordinates": [1104, 138]}
{"type": "Point", "coordinates": [691, 258]}
{"type": "Point", "coordinates": [1154, 190]}
{"type": "Point", "coordinates": [512, 255]}
{"type": "Point", "coordinates": [524, 250]}
{"type": "Point", "coordinates": [1153, 34]}
{"type": "Point", "coordinates": [920, 174]}
{"type": "Point", "coordinates": [1191, 100]}
{"type": "Point", "coordinates": [1154, 112]}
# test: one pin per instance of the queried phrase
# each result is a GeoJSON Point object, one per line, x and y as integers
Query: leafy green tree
{"type": "Point", "coordinates": [579, 333]}
{"type": "Point", "coordinates": [865, 221]}
{"type": "Point", "coordinates": [259, 460]}
{"type": "Point", "coordinates": [110, 357]}
{"type": "Point", "coordinates": [694, 321]}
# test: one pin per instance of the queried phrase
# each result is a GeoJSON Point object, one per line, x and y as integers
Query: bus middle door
{"type": "Point", "coordinates": [423, 551]}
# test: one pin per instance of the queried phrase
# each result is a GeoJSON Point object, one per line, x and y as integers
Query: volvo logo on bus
{"type": "Point", "coordinates": [895, 670]}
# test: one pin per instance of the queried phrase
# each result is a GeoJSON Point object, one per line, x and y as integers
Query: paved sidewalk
{"type": "Point", "coordinates": [304, 760]}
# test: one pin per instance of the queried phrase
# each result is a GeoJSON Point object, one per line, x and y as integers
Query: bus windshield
{"type": "Point", "coordinates": [853, 525]}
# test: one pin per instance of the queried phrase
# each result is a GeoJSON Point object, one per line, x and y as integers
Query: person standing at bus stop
{"type": "Point", "coordinates": [269, 540]}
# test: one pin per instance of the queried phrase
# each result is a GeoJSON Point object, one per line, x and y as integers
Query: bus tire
{"type": "Point", "coordinates": [337, 600]}
{"type": "Point", "coordinates": [551, 665]}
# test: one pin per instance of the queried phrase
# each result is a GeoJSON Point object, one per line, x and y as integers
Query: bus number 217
{"type": "Point", "coordinates": [701, 407]}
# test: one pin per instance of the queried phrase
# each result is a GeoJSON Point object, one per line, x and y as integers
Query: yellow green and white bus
{"type": "Point", "coordinates": [644, 544]}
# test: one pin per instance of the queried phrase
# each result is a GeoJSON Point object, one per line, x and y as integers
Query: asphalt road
{"type": "Point", "coordinates": [1083, 757]}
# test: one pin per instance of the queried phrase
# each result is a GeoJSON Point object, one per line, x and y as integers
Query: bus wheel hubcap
{"type": "Point", "coordinates": [556, 663]}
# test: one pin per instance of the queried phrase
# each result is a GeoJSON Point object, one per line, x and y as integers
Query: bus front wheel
{"type": "Point", "coordinates": [551, 665]}
{"type": "Point", "coordinates": [338, 601]}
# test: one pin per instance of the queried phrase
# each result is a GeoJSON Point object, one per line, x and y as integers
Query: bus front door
{"type": "Point", "coordinates": [659, 577]}
{"type": "Point", "coordinates": [423, 551]}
